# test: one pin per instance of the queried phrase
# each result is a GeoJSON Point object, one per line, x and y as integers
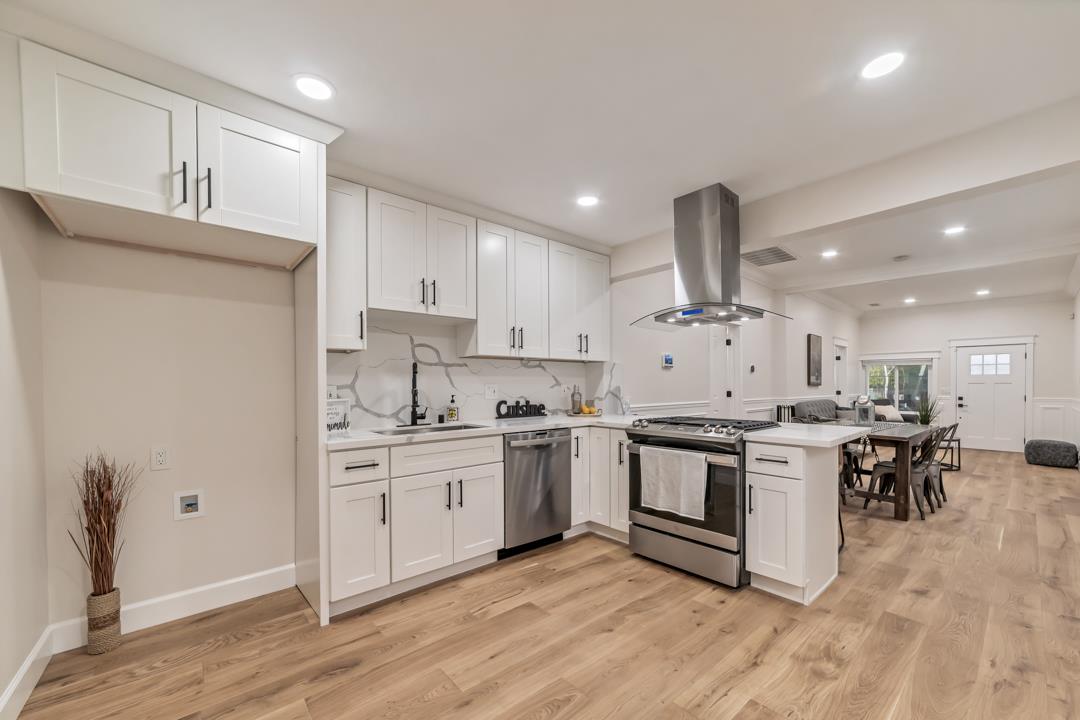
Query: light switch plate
{"type": "Point", "coordinates": [491, 392]}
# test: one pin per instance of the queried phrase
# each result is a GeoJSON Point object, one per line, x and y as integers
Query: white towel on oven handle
{"type": "Point", "coordinates": [673, 480]}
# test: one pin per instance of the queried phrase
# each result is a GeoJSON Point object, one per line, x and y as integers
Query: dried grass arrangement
{"type": "Point", "coordinates": [105, 489]}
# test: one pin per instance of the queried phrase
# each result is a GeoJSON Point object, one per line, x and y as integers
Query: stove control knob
{"type": "Point", "coordinates": [635, 423]}
{"type": "Point", "coordinates": [731, 431]}
{"type": "Point", "coordinates": [644, 423]}
{"type": "Point", "coordinates": [708, 429]}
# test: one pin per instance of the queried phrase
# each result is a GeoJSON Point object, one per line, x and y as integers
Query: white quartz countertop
{"type": "Point", "coordinates": [805, 435]}
{"type": "Point", "coordinates": [358, 439]}
{"type": "Point", "coordinates": [821, 436]}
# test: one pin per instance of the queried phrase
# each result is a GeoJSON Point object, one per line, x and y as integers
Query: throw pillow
{"type": "Point", "coordinates": [890, 413]}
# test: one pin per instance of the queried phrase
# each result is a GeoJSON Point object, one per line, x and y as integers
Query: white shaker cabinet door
{"type": "Point", "coordinates": [397, 253]}
{"type": "Point", "coordinates": [579, 476]}
{"type": "Point", "coordinates": [567, 335]}
{"type": "Point", "coordinates": [346, 265]}
{"type": "Point", "coordinates": [359, 538]}
{"type": "Point", "coordinates": [620, 481]}
{"type": "Point", "coordinates": [478, 511]}
{"type": "Point", "coordinates": [451, 263]}
{"type": "Point", "coordinates": [255, 177]}
{"type": "Point", "coordinates": [775, 528]}
{"type": "Point", "coordinates": [594, 304]}
{"type": "Point", "coordinates": [495, 290]}
{"type": "Point", "coordinates": [600, 476]}
{"type": "Point", "coordinates": [94, 134]}
{"type": "Point", "coordinates": [422, 524]}
{"type": "Point", "coordinates": [531, 294]}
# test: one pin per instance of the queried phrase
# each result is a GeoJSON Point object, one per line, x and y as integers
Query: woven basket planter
{"type": "Point", "coordinates": [102, 622]}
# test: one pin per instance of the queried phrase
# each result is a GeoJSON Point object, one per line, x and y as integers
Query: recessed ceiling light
{"type": "Point", "coordinates": [882, 65]}
{"type": "Point", "coordinates": [909, 300]}
{"type": "Point", "coordinates": [829, 253]}
{"type": "Point", "coordinates": [954, 230]}
{"type": "Point", "coordinates": [984, 291]}
{"type": "Point", "coordinates": [314, 87]}
{"type": "Point", "coordinates": [587, 200]}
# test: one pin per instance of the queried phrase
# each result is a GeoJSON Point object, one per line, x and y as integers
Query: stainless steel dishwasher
{"type": "Point", "coordinates": [537, 494]}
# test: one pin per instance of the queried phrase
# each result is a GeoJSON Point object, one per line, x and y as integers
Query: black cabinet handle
{"type": "Point", "coordinates": [432, 293]}
{"type": "Point", "coordinates": [620, 452]}
{"type": "Point", "coordinates": [460, 494]}
{"type": "Point", "coordinates": [367, 465]}
{"type": "Point", "coordinates": [361, 324]}
{"type": "Point", "coordinates": [579, 337]}
{"type": "Point", "coordinates": [183, 175]}
{"type": "Point", "coordinates": [768, 459]}
{"type": "Point", "coordinates": [383, 508]}
{"type": "Point", "coordinates": [209, 189]}
{"type": "Point", "coordinates": [449, 500]}
{"type": "Point", "coordinates": [521, 337]}
{"type": "Point", "coordinates": [577, 446]}
{"type": "Point", "coordinates": [513, 337]}
{"type": "Point", "coordinates": [751, 499]}
{"type": "Point", "coordinates": [586, 343]}
{"type": "Point", "coordinates": [423, 291]}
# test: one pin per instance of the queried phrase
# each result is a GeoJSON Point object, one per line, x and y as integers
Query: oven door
{"type": "Point", "coordinates": [722, 526]}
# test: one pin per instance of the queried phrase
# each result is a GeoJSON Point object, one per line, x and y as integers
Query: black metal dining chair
{"type": "Point", "coordinates": [883, 476]}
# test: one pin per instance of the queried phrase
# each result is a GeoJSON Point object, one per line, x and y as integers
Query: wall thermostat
{"type": "Point", "coordinates": [667, 361]}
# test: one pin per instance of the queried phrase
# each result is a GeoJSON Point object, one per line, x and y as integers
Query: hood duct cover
{"type": "Point", "coordinates": [708, 279]}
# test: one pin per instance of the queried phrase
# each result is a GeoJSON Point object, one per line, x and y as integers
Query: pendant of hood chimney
{"type": "Point", "coordinates": [708, 278]}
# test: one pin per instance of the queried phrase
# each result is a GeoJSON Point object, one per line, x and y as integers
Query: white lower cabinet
{"type": "Point", "coordinates": [579, 476]}
{"type": "Point", "coordinates": [775, 517]}
{"type": "Point", "coordinates": [478, 513]}
{"type": "Point", "coordinates": [359, 538]}
{"type": "Point", "coordinates": [440, 518]}
{"type": "Point", "coordinates": [620, 481]}
{"type": "Point", "coordinates": [599, 476]}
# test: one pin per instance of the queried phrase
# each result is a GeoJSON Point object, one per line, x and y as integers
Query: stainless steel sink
{"type": "Point", "coordinates": [421, 429]}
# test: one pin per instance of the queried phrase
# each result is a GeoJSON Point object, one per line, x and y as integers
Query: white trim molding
{"type": "Point", "coordinates": [26, 677]}
{"type": "Point", "coordinates": [71, 634]}
{"type": "Point", "coordinates": [976, 342]}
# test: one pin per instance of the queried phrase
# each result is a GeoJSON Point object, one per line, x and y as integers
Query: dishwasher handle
{"type": "Point", "coordinates": [539, 442]}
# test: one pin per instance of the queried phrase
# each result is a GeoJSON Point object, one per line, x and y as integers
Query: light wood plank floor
{"type": "Point", "coordinates": [974, 613]}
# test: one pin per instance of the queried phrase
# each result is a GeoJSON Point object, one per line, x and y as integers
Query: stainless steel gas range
{"type": "Point", "coordinates": [707, 540]}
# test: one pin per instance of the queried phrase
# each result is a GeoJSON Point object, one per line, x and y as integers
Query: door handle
{"type": "Point", "coordinates": [960, 405]}
{"type": "Point", "coordinates": [460, 493]}
{"type": "Point", "coordinates": [383, 508]}
{"type": "Point", "coordinates": [620, 452]}
{"type": "Point", "coordinates": [432, 293]}
{"type": "Point", "coordinates": [577, 446]}
{"type": "Point", "coordinates": [361, 324]}
{"type": "Point", "coordinates": [423, 291]}
{"type": "Point", "coordinates": [513, 337]}
{"type": "Point", "coordinates": [183, 174]}
{"type": "Point", "coordinates": [521, 337]}
{"type": "Point", "coordinates": [579, 337]}
{"type": "Point", "coordinates": [449, 500]}
{"type": "Point", "coordinates": [209, 189]}
{"type": "Point", "coordinates": [586, 343]}
{"type": "Point", "coordinates": [751, 500]}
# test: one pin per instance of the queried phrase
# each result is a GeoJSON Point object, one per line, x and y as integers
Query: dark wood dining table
{"type": "Point", "coordinates": [901, 437]}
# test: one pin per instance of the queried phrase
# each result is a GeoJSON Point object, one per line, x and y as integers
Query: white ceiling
{"type": "Point", "coordinates": [523, 106]}
{"type": "Point", "coordinates": [1035, 277]}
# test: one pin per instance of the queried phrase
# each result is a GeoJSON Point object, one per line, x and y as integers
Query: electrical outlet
{"type": "Point", "coordinates": [491, 392]}
{"type": "Point", "coordinates": [159, 458]}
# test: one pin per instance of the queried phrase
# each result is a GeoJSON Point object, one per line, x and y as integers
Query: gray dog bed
{"type": "Point", "coordinates": [1055, 453]}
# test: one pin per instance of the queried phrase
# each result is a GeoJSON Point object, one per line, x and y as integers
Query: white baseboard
{"type": "Point", "coordinates": [18, 690]}
{"type": "Point", "coordinates": [71, 634]}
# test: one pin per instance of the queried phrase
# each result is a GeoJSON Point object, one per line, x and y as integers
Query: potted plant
{"type": "Point", "coordinates": [104, 492]}
{"type": "Point", "coordinates": [928, 411]}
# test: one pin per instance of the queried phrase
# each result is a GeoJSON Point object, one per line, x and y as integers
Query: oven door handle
{"type": "Point", "coordinates": [725, 460]}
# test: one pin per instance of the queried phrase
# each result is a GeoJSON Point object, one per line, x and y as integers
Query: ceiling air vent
{"type": "Point", "coordinates": [768, 256]}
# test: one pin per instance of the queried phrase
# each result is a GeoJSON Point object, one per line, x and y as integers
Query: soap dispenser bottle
{"type": "Point", "coordinates": [452, 411]}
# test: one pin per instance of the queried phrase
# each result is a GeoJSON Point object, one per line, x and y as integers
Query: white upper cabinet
{"type": "Point", "coordinates": [421, 259]}
{"type": "Point", "coordinates": [255, 177]}
{"type": "Point", "coordinates": [94, 134]}
{"type": "Point", "coordinates": [579, 302]}
{"type": "Point", "coordinates": [451, 263]}
{"type": "Point", "coordinates": [397, 253]}
{"type": "Point", "coordinates": [531, 295]}
{"type": "Point", "coordinates": [495, 293]}
{"type": "Point", "coordinates": [512, 289]}
{"type": "Point", "coordinates": [346, 265]}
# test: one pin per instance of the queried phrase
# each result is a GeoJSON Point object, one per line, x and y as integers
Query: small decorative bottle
{"type": "Point", "coordinates": [452, 411]}
{"type": "Point", "coordinates": [575, 401]}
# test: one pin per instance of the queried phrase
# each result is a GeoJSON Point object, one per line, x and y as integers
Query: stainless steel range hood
{"type": "Point", "coordinates": [708, 281]}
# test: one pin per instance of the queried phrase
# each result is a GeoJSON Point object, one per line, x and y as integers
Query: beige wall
{"type": "Point", "coordinates": [932, 327]}
{"type": "Point", "coordinates": [142, 349]}
{"type": "Point", "coordinates": [24, 589]}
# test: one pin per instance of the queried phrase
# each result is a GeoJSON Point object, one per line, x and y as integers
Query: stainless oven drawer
{"type": "Point", "coordinates": [690, 532]}
{"type": "Point", "coordinates": [708, 562]}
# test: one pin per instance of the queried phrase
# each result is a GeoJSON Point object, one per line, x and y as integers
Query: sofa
{"type": "Point", "coordinates": [820, 411]}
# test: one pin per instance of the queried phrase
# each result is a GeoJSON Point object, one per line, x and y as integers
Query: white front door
{"type": "Point", "coordinates": [990, 401]}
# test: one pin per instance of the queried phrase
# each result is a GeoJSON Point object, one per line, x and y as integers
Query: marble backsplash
{"type": "Point", "coordinates": [377, 381]}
